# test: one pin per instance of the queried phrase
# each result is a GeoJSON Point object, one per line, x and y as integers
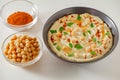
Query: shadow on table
{"type": "Point", "coordinates": [52, 67]}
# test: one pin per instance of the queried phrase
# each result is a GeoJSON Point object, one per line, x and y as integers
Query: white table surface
{"type": "Point", "coordinates": [52, 68]}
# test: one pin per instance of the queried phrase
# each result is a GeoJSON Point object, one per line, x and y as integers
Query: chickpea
{"type": "Point", "coordinates": [29, 49]}
{"type": "Point", "coordinates": [23, 60]}
{"type": "Point", "coordinates": [13, 52]}
{"type": "Point", "coordinates": [34, 38]}
{"type": "Point", "coordinates": [10, 56]}
{"type": "Point", "coordinates": [6, 51]}
{"type": "Point", "coordinates": [34, 56]}
{"type": "Point", "coordinates": [14, 60]}
{"type": "Point", "coordinates": [14, 37]}
{"type": "Point", "coordinates": [22, 52]}
{"type": "Point", "coordinates": [21, 45]}
{"type": "Point", "coordinates": [38, 49]}
{"type": "Point", "coordinates": [30, 54]}
{"type": "Point", "coordinates": [9, 52]}
{"type": "Point", "coordinates": [7, 47]}
{"type": "Point", "coordinates": [25, 49]}
{"type": "Point", "coordinates": [24, 56]}
{"type": "Point", "coordinates": [19, 55]}
{"type": "Point", "coordinates": [22, 48]}
{"type": "Point", "coordinates": [18, 50]}
{"type": "Point", "coordinates": [33, 48]}
{"type": "Point", "coordinates": [14, 56]}
{"type": "Point", "coordinates": [18, 59]}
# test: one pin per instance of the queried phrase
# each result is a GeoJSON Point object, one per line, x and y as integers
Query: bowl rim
{"type": "Point", "coordinates": [62, 12]}
{"type": "Point", "coordinates": [11, 26]}
{"type": "Point", "coordinates": [26, 63]}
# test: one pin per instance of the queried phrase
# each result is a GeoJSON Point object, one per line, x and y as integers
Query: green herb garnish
{"type": "Point", "coordinates": [89, 31]}
{"type": "Point", "coordinates": [78, 46]}
{"type": "Point", "coordinates": [84, 34]}
{"type": "Point", "coordinates": [54, 44]}
{"type": "Point", "coordinates": [61, 29]}
{"type": "Point", "coordinates": [70, 55]}
{"type": "Point", "coordinates": [79, 17]}
{"type": "Point", "coordinates": [92, 25]}
{"type": "Point", "coordinates": [107, 33]}
{"type": "Point", "coordinates": [70, 45]}
{"type": "Point", "coordinates": [94, 39]}
{"type": "Point", "coordinates": [65, 33]}
{"type": "Point", "coordinates": [93, 52]}
{"type": "Point", "coordinates": [53, 31]}
{"type": "Point", "coordinates": [99, 42]}
{"type": "Point", "coordinates": [58, 48]}
{"type": "Point", "coordinates": [70, 24]}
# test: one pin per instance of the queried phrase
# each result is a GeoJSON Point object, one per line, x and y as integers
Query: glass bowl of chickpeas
{"type": "Point", "coordinates": [22, 49]}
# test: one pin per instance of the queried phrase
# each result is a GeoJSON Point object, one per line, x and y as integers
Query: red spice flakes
{"type": "Point", "coordinates": [64, 25]}
{"type": "Point", "coordinates": [89, 41]}
{"type": "Point", "coordinates": [59, 35]}
{"type": "Point", "coordinates": [61, 21]}
{"type": "Point", "coordinates": [105, 47]}
{"type": "Point", "coordinates": [72, 16]}
{"type": "Point", "coordinates": [96, 22]}
{"type": "Point", "coordinates": [66, 16]}
{"type": "Point", "coordinates": [90, 19]}
{"type": "Point", "coordinates": [79, 24]}
{"type": "Point", "coordinates": [52, 38]}
{"type": "Point", "coordinates": [85, 57]}
{"type": "Point", "coordinates": [109, 37]}
{"type": "Point", "coordinates": [97, 50]}
{"type": "Point", "coordinates": [76, 41]}
{"type": "Point", "coordinates": [98, 33]}
{"type": "Point", "coordinates": [68, 40]}
{"type": "Point", "coordinates": [100, 51]}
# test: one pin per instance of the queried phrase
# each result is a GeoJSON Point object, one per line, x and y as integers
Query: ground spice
{"type": "Point", "coordinates": [19, 18]}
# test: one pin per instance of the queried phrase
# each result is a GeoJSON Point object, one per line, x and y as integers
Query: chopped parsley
{"type": "Point", "coordinates": [99, 43]}
{"type": "Point", "coordinates": [65, 33]}
{"type": "Point", "coordinates": [94, 39]}
{"type": "Point", "coordinates": [78, 46]}
{"type": "Point", "coordinates": [70, 54]}
{"type": "Point", "coordinates": [93, 52]}
{"type": "Point", "coordinates": [78, 17]}
{"type": "Point", "coordinates": [107, 33]}
{"type": "Point", "coordinates": [58, 48]}
{"type": "Point", "coordinates": [84, 34]}
{"type": "Point", "coordinates": [53, 31]}
{"type": "Point", "coordinates": [92, 25]}
{"type": "Point", "coordinates": [89, 31]}
{"type": "Point", "coordinates": [54, 44]}
{"type": "Point", "coordinates": [70, 45]}
{"type": "Point", "coordinates": [70, 24]}
{"type": "Point", "coordinates": [61, 29]}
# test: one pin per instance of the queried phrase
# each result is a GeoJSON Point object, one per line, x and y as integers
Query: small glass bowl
{"type": "Point", "coordinates": [25, 63]}
{"type": "Point", "coordinates": [22, 6]}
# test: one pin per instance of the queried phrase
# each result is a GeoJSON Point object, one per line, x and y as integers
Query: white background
{"type": "Point", "coordinates": [52, 68]}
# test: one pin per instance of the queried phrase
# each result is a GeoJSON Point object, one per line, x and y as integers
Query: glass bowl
{"type": "Point", "coordinates": [22, 6]}
{"type": "Point", "coordinates": [24, 64]}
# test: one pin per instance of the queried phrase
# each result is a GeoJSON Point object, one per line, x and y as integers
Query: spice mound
{"type": "Point", "coordinates": [22, 48]}
{"type": "Point", "coordinates": [19, 18]}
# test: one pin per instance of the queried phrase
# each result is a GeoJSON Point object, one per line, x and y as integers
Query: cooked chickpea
{"type": "Point", "coordinates": [18, 59]}
{"type": "Point", "coordinates": [23, 60]}
{"type": "Point", "coordinates": [10, 56]}
{"type": "Point", "coordinates": [19, 55]}
{"type": "Point", "coordinates": [14, 56]}
{"type": "Point", "coordinates": [14, 37]}
{"type": "Point", "coordinates": [18, 50]}
{"type": "Point", "coordinates": [22, 48]}
{"type": "Point", "coordinates": [24, 56]}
